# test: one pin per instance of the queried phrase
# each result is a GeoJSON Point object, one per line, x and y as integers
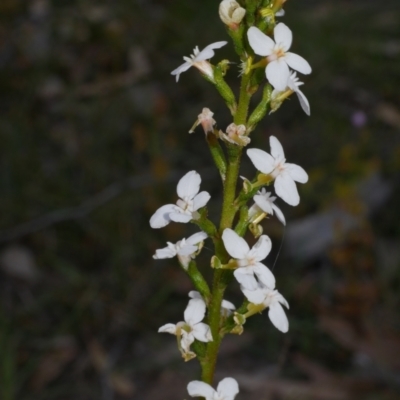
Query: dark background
{"type": "Point", "coordinates": [94, 139]}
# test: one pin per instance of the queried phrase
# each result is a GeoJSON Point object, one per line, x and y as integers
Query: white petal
{"type": "Point", "coordinates": [305, 105]}
{"type": "Point", "coordinates": [246, 278]}
{"type": "Point", "coordinates": [189, 185]}
{"type": "Point", "coordinates": [228, 388]}
{"type": "Point", "coordinates": [286, 189]}
{"type": "Point", "coordinates": [208, 52]}
{"type": "Point", "coordinates": [279, 214]}
{"type": "Point", "coordinates": [276, 148]}
{"type": "Point", "coordinates": [180, 217]}
{"type": "Point", "coordinates": [200, 200]}
{"type": "Point", "coordinates": [278, 317]}
{"type": "Point", "coordinates": [256, 296]}
{"type": "Point", "coordinates": [228, 305]}
{"type": "Point", "coordinates": [194, 294]}
{"type": "Point", "coordinates": [161, 217]}
{"type": "Point", "coordinates": [200, 389]}
{"type": "Point", "coordinates": [298, 63]}
{"type": "Point", "coordinates": [186, 340]}
{"type": "Point", "coordinates": [263, 203]}
{"type": "Point", "coordinates": [261, 249]}
{"type": "Point", "coordinates": [187, 250]}
{"type": "Point", "coordinates": [281, 300]}
{"type": "Point", "coordinates": [236, 246]}
{"type": "Point", "coordinates": [261, 44]}
{"type": "Point", "coordinates": [195, 311]}
{"type": "Point", "coordinates": [166, 252]}
{"type": "Point", "coordinates": [202, 332]}
{"type": "Point", "coordinates": [265, 275]}
{"type": "Point", "coordinates": [196, 238]}
{"type": "Point", "coordinates": [182, 68]}
{"type": "Point", "coordinates": [168, 328]}
{"type": "Point", "coordinates": [278, 73]}
{"type": "Point", "coordinates": [263, 161]}
{"type": "Point", "coordinates": [283, 36]}
{"type": "Point", "coordinates": [296, 172]}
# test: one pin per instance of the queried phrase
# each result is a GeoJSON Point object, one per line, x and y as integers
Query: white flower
{"type": "Point", "coordinates": [198, 60]}
{"type": "Point", "coordinates": [227, 389]}
{"type": "Point", "coordinates": [285, 174]}
{"type": "Point", "coordinates": [205, 118]}
{"type": "Point", "coordinates": [187, 205]}
{"type": "Point", "coordinates": [264, 202]}
{"type": "Point", "coordinates": [231, 13]}
{"type": "Point", "coordinates": [236, 134]}
{"type": "Point", "coordinates": [190, 329]}
{"type": "Point", "coordinates": [248, 261]}
{"type": "Point", "coordinates": [278, 57]}
{"type": "Point", "coordinates": [226, 307]}
{"type": "Point", "coordinates": [273, 299]}
{"type": "Point", "coordinates": [293, 84]}
{"type": "Point", "coordinates": [185, 249]}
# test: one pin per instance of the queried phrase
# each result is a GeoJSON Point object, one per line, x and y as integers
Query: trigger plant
{"type": "Point", "coordinates": [262, 45]}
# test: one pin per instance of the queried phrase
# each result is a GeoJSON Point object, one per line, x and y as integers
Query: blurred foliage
{"type": "Point", "coordinates": [94, 139]}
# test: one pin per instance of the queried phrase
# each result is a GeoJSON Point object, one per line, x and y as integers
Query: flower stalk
{"type": "Point", "coordinates": [262, 46]}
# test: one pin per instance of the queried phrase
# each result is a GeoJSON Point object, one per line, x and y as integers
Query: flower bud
{"type": "Point", "coordinates": [231, 13]}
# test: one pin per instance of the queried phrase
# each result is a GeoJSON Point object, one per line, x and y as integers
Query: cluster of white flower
{"type": "Point", "coordinates": [255, 279]}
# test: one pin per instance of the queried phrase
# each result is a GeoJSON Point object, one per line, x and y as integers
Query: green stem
{"type": "Point", "coordinates": [222, 277]}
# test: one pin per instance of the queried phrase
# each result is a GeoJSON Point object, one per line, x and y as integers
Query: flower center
{"type": "Point", "coordinates": [278, 53]}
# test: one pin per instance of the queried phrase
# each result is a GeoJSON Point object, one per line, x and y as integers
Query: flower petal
{"type": "Point", "coordinates": [298, 63]}
{"type": "Point", "coordinates": [166, 252]}
{"type": "Point", "coordinates": [168, 328]}
{"type": "Point", "coordinates": [305, 105]}
{"type": "Point", "coordinates": [202, 332]}
{"type": "Point", "coordinates": [228, 388]}
{"type": "Point", "coordinates": [278, 317]}
{"type": "Point", "coordinates": [256, 296]}
{"type": "Point", "coordinates": [186, 340]}
{"type": "Point", "coordinates": [281, 299]}
{"type": "Point", "coordinates": [182, 68]}
{"type": "Point", "coordinates": [283, 36]}
{"type": "Point", "coordinates": [286, 189]}
{"type": "Point", "coordinates": [187, 250]}
{"type": "Point", "coordinates": [279, 214]}
{"type": "Point", "coordinates": [208, 51]}
{"type": "Point", "coordinates": [194, 294]}
{"type": "Point", "coordinates": [296, 172]}
{"type": "Point", "coordinates": [278, 73]}
{"type": "Point", "coordinates": [264, 203]}
{"type": "Point", "coordinates": [263, 161]}
{"type": "Point", "coordinates": [180, 217]}
{"type": "Point", "coordinates": [236, 246]}
{"type": "Point", "coordinates": [201, 200]}
{"type": "Point", "coordinates": [196, 238]}
{"type": "Point", "coordinates": [262, 44]}
{"type": "Point", "coordinates": [265, 275]}
{"type": "Point", "coordinates": [200, 389]}
{"type": "Point", "coordinates": [276, 148]}
{"type": "Point", "coordinates": [228, 305]}
{"type": "Point", "coordinates": [195, 311]}
{"type": "Point", "coordinates": [161, 217]}
{"type": "Point", "coordinates": [245, 277]}
{"type": "Point", "coordinates": [189, 185]}
{"type": "Point", "coordinates": [261, 249]}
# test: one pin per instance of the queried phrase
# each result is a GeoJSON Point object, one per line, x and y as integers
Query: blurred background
{"type": "Point", "coordinates": [94, 139]}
